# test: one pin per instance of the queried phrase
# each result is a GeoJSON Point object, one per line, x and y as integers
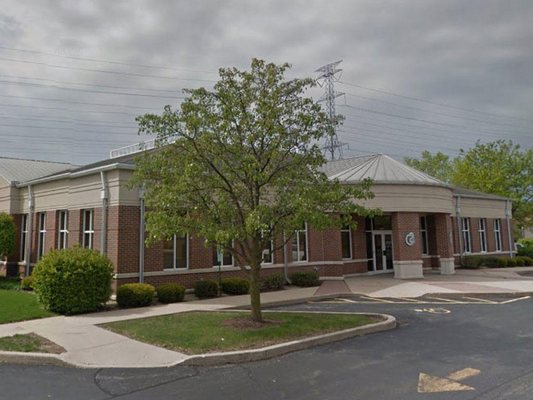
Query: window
{"type": "Point", "coordinates": [465, 228]}
{"type": "Point", "coordinates": [88, 228]}
{"type": "Point", "coordinates": [497, 235]}
{"type": "Point", "coordinates": [222, 259]}
{"type": "Point", "coordinates": [482, 235]}
{"type": "Point", "coordinates": [268, 251]}
{"type": "Point", "coordinates": [176, 253]}
{"type": "Point", "coordinates": [424, 234]}
{"type": "Point", "coordinates": [41, 221]}
{"type": "Point", "coordinates": [62, 239]}
{"type": "Point", "coordinates": [378, 223]}
{"type": "Point", "coordinates": [346, 242]}
{"type": "Point", "coordinates": [299, 244]}
{"type": "Point", "coordinates": [23, 236]}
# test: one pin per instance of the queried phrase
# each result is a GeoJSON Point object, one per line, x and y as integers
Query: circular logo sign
{"type": "Point", "coordinates": [410, 239]}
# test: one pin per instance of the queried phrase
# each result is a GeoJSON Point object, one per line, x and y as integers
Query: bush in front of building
{"type": "Point", "coordinates": [527, 261]}
{"type": "Point", "coordinates": [234, 286]}
{"type": "Point", "coordinates": [525, 247]}
{"type": "Point", "coordinates": [272, 282]}
{"type": "Point", "coordinates": [135, 295]}
{"type": "Point", "coordinates": [305, 279]}
{"type": "Point", "coordinates": [511, 262]}
{"type": "Point", "coordinates": [205, 289]}
{"type": "Point", "coordinates": [170, 293]}
{"type": "Point", "coordinates": [27, 283]}
{"type": "Point", "coordinates": [73, 281]}
{"type": "Point", "coordinates": [8, 233]}
{"type": "Point", "coordinates": [471, 262]}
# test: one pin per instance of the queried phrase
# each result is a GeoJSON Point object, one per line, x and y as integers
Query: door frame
{"type": "Point", "coordinates": [384, 259]}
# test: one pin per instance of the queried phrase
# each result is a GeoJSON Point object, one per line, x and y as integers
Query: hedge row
{"type": "Point", "coordinates": [475, 262]}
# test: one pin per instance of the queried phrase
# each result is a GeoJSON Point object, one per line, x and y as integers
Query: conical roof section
{"type": "Point", "coordinates": [378, 167]}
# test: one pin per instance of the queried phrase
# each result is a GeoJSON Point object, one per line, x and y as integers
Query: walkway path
{"type": "Point", "coordinates": [89, 345]}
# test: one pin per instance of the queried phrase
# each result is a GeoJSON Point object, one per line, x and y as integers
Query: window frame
{"type": "Point", "coordinates": [24, 236]}
{"type": "Point", "coordinates": [424, 234]}
{"type": "Point", "coordinates": [296, 238]}
{"type": "Point", "coordinates": [88, 232]}
{"type": "Point", "coordinates": [465, 234]}
{"type": "Point", "coordinates": [62, 231]}
{"type": "Point", "coordinates": [41, 234]}
{"type": "Point", "coordinates": [346, 229]}
{"type": "Point", "coordinates": [498, 235]}
{"type": "Point", "coordinates": [217, 262]}
{"type": "Point", "coordinates": [174, 248]}
{"type": "Point", "coordinates": [269, 250]}
{"type": "Point", "coordinates": [482, 229]}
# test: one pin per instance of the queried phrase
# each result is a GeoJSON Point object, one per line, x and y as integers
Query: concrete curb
{"type": "Point", "coordinates": [233, 357]}
{"type": "Point", "coordinates": [17, 357]}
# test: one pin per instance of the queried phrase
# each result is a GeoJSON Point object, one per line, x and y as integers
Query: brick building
{"type": "Point", "coordinates": [425, 224]}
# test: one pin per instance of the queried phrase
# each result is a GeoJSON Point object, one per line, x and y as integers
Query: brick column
{"type": "Point", "coordinates": [407, 258]}
{"type": "Point", "coordinates": [444, 243]}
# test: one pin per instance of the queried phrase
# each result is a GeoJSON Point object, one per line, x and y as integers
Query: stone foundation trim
{"type": "Point", "coordinates": [447, 266]}
{"type": "Point", "coordinates": [408, 269]}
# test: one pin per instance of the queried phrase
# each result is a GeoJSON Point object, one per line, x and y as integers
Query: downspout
{"type": "Point", "coordinates": [103, 220]}
{"type": "Point", "coordinates": [141, 235]}
{"type": "Point", "coordinates": [508, 213]}
{"type": "Point", "coordinates": [286, 260]}
{"type": "Point", "coordinates": [29, 238]}
{"type": "Point", "coordinates": [459, 227]}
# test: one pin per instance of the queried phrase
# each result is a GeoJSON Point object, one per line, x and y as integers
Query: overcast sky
{"type": "Point", "coordinates": [428, 74]}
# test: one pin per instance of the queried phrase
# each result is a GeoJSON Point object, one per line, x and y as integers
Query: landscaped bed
{"type": "Point", "coordinates": [19, 306]}
{"type": "Point", "coordinates": [29, 343]}
{"type": "Point", "coordinates": [204, 332]}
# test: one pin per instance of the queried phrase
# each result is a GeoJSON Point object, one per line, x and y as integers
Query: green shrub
{"type": "Point", "coordinates": [8, 233]}
{"type": "Point", "coordinates": [170, 293]}
{"type": "Point", "coordinates": [520, 261]}
{"type": "Point", "coordinates": [205, 289]}
{"type": "Point", "coordinates": [234, 286]}
{"type": "Point", "coordinates": [27, 283]}
{"type": "Point", "coordinates": [73, 281]}
{"type": "Point", "coordinates": [502, 262]}
{"type": "Point", "coordinates": [528, 261]}
{"type": "Point", "coordinates": [525, 247]}
{"type": "Point", "coordinates": [272, 282]}
{"type": "Point", "coordinates": [135, 295]}
{"type": "Point", "coordinates": [304, 279]}
{"type": "Point", "coordinates": [472, 262]}
{"type": "Point", "coordinates": [511, 262]}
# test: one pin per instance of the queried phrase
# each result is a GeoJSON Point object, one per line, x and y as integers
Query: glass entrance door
{"type": "Point", "coordinates": [383, 251]}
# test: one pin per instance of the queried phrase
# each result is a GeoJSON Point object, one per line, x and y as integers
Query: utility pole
{"type": "Point", "coordinates": [326, 79]}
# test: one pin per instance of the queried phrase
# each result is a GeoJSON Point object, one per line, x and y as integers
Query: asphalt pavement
{"type": "Point", "coordinates": [448, 349]}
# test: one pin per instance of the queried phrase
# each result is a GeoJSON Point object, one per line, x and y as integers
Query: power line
{"type": "Point", "coordinates": [71, 109]}
{"type": "Point", "coordinates": [432, 102]}
{"type": "Point", "coordinates": [104, 71]}
{"type": "Point", "coordinates": [463, 117]}
{"type": "Point", "coordinates": [89, 91]}
{"type": "Point", "coordinates": [419, 119]}
{"type": "Point", "coordinates": [106, 61]}
{"type": "Point", "coordinates": [112, 124]}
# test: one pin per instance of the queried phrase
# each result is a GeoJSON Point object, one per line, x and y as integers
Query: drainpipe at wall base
{"type": "Point", "coordinates": [29, 230]}
{"type": "Point", "coordinates": [103, 220]}
{"type": "Point", "coordinates": [508, 214]}
{"type": "Point", "coordinates": [141, 236]}
{"type": "Point", "coordinates": [286, 260]}
{"type": "Point", "coordinates": [459, 228]}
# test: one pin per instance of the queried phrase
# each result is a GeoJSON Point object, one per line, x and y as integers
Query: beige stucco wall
{"type": "Point", "coordinates": [5, 196]}
{"type": "Point", "coordinates": [414, 198]}
{"type": "Point", "coordinates": [482, 208]}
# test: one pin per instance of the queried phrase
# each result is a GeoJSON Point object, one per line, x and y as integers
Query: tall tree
{"type": "Point", "coordinates": [239, 166]}
{"type": "Point", "coordinates": [7, 235]}
{"type": "Point", "coordinates": [501, 168]}
{"type": "Point", "coordinates": [498, 167]}
{"type": "Point", "coordinates": [437, 165]}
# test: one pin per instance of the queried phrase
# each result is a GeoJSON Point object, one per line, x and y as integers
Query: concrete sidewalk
{"type": "Point", "coordinates": [88, 345]}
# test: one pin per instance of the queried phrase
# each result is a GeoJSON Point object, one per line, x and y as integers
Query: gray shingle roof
{"type": "Point", "coordinates": [378, 167]}
{"type": "Point", "coordinates": [20, 170]}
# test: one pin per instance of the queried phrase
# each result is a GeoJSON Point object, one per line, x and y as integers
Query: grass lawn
{"type": "Point", "coordinates": [204, 332]}
{"type": "Point", "coordinates": [29, 343]}
{"type": "Point", "coordinates": [19, 306]}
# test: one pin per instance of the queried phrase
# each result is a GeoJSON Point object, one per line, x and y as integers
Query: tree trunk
{"type": "Point", "coordinates": [255, 293]}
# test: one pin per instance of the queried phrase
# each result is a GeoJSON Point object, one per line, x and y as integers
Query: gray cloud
{"type": "Point", "coordinates": [473, 55]}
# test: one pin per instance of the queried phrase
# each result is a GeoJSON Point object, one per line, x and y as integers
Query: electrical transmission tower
{"type": "Point", "coordinates": [326, 79]}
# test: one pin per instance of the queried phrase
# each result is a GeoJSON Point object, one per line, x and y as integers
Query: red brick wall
{"type": "Point", "coordinates": [403, 223]}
